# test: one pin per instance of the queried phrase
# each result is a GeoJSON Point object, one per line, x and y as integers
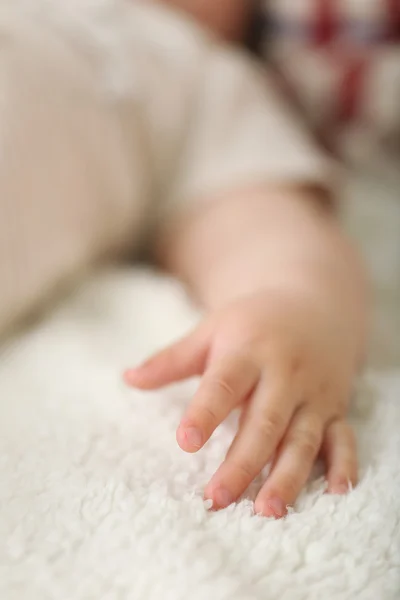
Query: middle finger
{"type": "Point", "coordinates": [267, 418]}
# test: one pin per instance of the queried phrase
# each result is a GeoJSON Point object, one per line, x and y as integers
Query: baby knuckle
{"type": "Point", "coordinates": [314, 424]}
{"type": "Point", "coordinates": [308, 443]}
{"type": "Point", "coordinates": [297, 364]}
{"type": "Point", "coordinates": [324, 388]}
{"type": "Point", "coordinates": [271, 423]}
{"type": "Point", "coordinates": [206, 413]}
{"type": "Point", "coordinates": [245, 468]}
{"type": "Point", "coordinates": [222, 386]}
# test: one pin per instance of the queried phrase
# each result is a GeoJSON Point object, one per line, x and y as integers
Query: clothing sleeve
{"type": "Point", "coordinates": [241, 133]}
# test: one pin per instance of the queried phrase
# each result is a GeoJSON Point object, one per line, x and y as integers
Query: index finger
{"type": "Point", "coordinates": [224, 386]}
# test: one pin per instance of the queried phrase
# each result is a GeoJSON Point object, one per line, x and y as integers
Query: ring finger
{"type": "Point", "coordinates": [266, 420]}
{"type": "Point", "coordinates": [292, 466]}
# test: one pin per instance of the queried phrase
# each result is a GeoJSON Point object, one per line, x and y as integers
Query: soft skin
{"type": "Point", "coordinates": [282, 340]}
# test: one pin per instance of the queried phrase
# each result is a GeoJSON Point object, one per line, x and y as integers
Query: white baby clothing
{"type": "Point", "coordinates": [115, 116]}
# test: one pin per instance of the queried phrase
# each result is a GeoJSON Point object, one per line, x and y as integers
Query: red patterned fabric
{"type": "Point", "coordinates": [341, 59]}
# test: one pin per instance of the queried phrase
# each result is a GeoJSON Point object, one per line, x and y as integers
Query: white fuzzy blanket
{"type": "Point", "coordinates": [97, 501]}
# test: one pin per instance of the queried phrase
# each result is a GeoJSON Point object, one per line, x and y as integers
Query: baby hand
{"type": "Point", "coordinates": [287, 362]}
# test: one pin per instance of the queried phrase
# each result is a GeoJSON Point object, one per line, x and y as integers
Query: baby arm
{"type": "Point", "coordinates": [284, 331]}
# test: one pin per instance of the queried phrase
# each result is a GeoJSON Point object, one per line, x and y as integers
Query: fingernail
{"type": "Point", "coordinates": [222, 498]}
{"type": "Point", "coordinates": [275, 507]}
{"type": "Point", "coordinates": [127, 375]}
{"type": "Point", "coordinates": [339, 489]}
{"type": "Point", "coordinates": [133, 370]}
{"type": "Point", "coordinates": [193, 437]}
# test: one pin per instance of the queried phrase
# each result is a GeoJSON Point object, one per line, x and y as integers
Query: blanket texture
{"type": "Point", "coordinates": [97, 502]}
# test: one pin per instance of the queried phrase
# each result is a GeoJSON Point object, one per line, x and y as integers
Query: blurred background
{"type": "Point", "coordinates": [338, 63]}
